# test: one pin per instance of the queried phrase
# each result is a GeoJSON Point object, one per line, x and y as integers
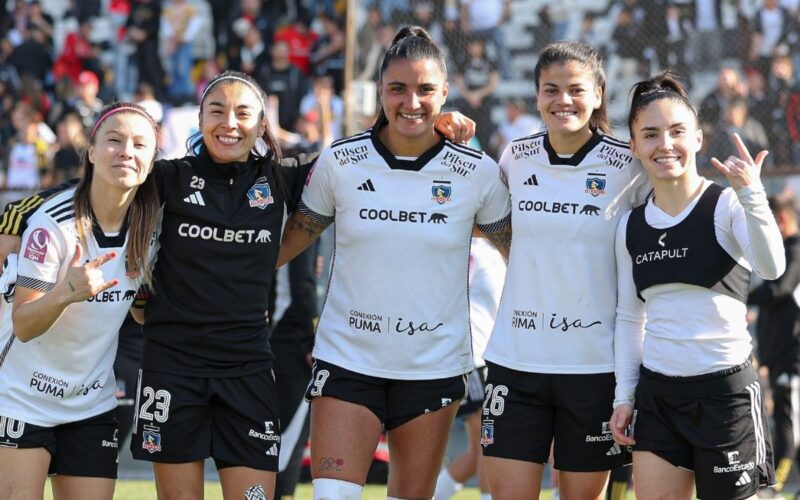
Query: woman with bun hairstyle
{"type": "Point", "coordinates": [392, 349]}
{"type": "Point", "coordinates": [683, 264]}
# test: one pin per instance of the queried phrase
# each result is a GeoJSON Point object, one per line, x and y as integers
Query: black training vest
{"type": "Point", "coordinates": [685, 253]}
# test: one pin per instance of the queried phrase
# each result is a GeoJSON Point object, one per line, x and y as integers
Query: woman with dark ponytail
{"type": "Point", "coordinates": [392, 349]}
{"type": "Point", "coordinates": [556, 368]}
{"type": "Point", "coordinates": [683, 263]}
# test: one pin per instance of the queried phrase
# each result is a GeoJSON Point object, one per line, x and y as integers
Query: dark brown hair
{"type": "Point", "coordinates": [664, 85]}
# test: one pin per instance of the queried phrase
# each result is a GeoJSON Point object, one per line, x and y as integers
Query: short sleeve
{"type": "Point", "coordinates": [495, 200]}
{"type": "Point", "coordinates": [318, 198]}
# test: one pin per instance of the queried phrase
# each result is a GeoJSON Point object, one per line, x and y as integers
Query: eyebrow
{"type": "Point", "coordinates": [655, 129]}
{"type": "Point", "coordinates": [222, 105]}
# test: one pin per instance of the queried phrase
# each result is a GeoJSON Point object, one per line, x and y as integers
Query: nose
{"type": "Point", "coordinates": [128, 148]}
{"type": "Point", "coordinates": [564, 98]}
{"type": "Point", "coordinates": [666, 141]}
{"type": "Point", "coordinates": [412, 100]}
{"type": "Point", "coordinates": [230, 119]}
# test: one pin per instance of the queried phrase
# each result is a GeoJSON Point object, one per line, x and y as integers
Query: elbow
{"type": "Point", "coordinates": [24, 335]}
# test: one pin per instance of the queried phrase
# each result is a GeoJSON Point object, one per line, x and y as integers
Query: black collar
{"type": "Point", "coordinates": [579, 155]}
{"type": "Point", "coordinates": [395, 163]}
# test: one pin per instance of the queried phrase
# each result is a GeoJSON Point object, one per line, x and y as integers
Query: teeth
{"type": "Point", "coordinates": [564, 114]}
{"type": "Point", "coordinates": [667, 160]}
{"type": "Point", "coordinates": [411, 117]}
{"type": "Point", "coordinates": [228, 140]}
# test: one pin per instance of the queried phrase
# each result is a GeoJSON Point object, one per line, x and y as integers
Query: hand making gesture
{"type": "Point", "coordinates": [741, 171]}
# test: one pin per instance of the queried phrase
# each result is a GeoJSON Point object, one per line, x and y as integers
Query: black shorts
{"type": "Point", "coordinates": [86, 448]}
{"type": "Point", "coordinates": [475, 386]}
{"type": "Point", "coordinates": [524, 413]}
{"type": "Point", "coordinates": [185, 419]}
{"type": "Point", "coordinates": [394, 402]}
{"type": "Point", "coordinates": [713, 424]}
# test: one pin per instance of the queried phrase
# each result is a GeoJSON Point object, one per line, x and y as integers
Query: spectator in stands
{"type": "Point", "coordinates": [145, 98]}
{"type": "Point", "coordinates": [714, 104]}
{"type": "Point", "coordinates": [143, 25]}
{"type": "Point", "coordinates": [518, 123]}
{"type": "Point", "coordinates": [327, 53]}
{"type": "Point", "coordinates": [300, 39]}
{"type": "Point", "coordinates": [251, 13]}
{"type": "Point", "coordinates": [675, 41]}
{"type": "Point", "coordinates": [33, 57]}
{"type": "Point", "coordinates": [375, 53]}
{"type": "Point", "coordinates": [736, 120]}
{"type": "Point", "coordinates": [27, 166]}
{"type": "Point", "coordinates": [778, 334]}
{"type": "Point", "coordinates": [42, 20]}
{"type": "Point", "coordinates": [253, 53]}
{"type": "Point", "coordinates": [8, 73]}
{"type": "Point", "coordinates": [367, 35]}
{"type": "Point", "coordinates": [627, 49]}
{"type": "Point", "coordinates": [476, 76]}
{"type": "Point", "coordinates": [284, 80]}
{"type": "Point", "coordinates": [71, 140]}
{"type": "Point", "coordinates": [86, 103]}
{"type": "Point", "coordinates": [485, 18]}
{"type": "Point", "coordinates": [780, 86]}
{"type": "Point", "coordinates": [423, 14]}
{"type": "Point", "coordinates": [324, 109]}
{"type": "Point", "coordinates": [180, 23]}
{"type": "Point", "coordinates": [706, 40]}
{"type": "Point", "coordinates": [124, 74]}
{"type": "Point", "coordinates": [772, 27]}
{"type": "Point", "coordinates": [77, 49]}
{"type": "Point", "coordinates": [395, 11]}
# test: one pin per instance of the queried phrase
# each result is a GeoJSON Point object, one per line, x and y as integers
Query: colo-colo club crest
{"type": "Point", "coordinates": [441, 191]}
{"type": "Point", "coordinates": [260, 195]}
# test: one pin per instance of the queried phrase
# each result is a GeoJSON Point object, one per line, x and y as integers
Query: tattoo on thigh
{"type": "Point", "coordinates": [331, 463]}
{"type": "Point", "coordinates": [255, 492]}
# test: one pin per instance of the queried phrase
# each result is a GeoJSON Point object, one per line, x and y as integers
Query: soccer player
{"type": "Point", "coordinates": [393, 347]}
{"type": "Point", "coordinates": [86, 252]}
{"type": "Point", "coordinates": [683, 264]}
{"type": "Point", "coordinates": [553, 354]}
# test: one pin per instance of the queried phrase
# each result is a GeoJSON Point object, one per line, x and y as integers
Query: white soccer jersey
{"type": "Point", "coordinates": [66, 374]}
{"type": "Point", "coordinates": [559, 300]}
{"type": "Point", "coordinates": [397, 301]}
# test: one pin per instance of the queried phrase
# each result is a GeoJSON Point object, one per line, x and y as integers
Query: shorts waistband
{"type": "Point", "coordinates": [725, 381]}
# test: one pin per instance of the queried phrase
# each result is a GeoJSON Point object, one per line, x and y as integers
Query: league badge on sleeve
{"type": "Point", "coordinates": [260, 195]}
{"type": "Point", "coordinates": [36, 247]}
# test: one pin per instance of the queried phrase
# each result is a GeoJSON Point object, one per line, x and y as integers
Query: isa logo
{"type": "Point", "coordinates": [36, 247]}
{"type": "Point", "coordinates": [487, 433]}
{"type": "Point", "coordinates": [260, 195]}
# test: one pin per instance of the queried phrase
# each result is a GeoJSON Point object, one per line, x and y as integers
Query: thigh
{"type": "Point", "coordinates": [511, 479]}
{"type": "Point", "coordinates": [585, 485]}
{"type": "Point", "coordinates": [172, 423]}
{"type": "Point", "coordinates": [517, 416]}
{"type": "Point", "coordinates": [88, 449]}
{"type": "Point", "coordinates": [247, 483]}
{"type": "Point", "coordinates": [654, 477]}
{"type": "Point", "coordinates": [246, 428]}
{"type": "Point", "coordinates": [583, 440]}
{"type": "Point", "coordinates": [24, 472]}
{"type": "Point", "coordinates": [78, 488]}
{"type": "Point", "coordinates": [416, 451]}
{"type": "Point", "coordinates": [344, 436]}
{"type": "Point", "coordinates": [179, 481]}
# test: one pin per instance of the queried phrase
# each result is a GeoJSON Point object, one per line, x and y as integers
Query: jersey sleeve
{"type": "Point", "coordinates": [42, 253]}
{"type": "Point", "coordinates": [295, 172]}
{"type": "Point", "coordinates": [640, 183]}
{"type": "Point", "coordinates": [495, 206]}
{"type": "Point", "coordinates": [14, 219]}
{"type": "Point", "coordinates": [750, 230]}
{"type": "Point", "coordinates": [629, 327]}
{"type": "Point", "coordinates": [317, 201]}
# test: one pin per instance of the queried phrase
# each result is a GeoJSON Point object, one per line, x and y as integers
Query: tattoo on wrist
{"type": "Point", "coordinates": [72, 288]}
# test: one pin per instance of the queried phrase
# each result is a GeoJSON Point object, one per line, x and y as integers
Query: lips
{"type": "Point", "coordinates": [409, 116]}
{"type": "Point", "coordinates": [229, 141]}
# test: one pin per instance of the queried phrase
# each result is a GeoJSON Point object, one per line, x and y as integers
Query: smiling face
{"type": "Point", "coordinates": [231, 120]}
{"type": "Point", "coordinates": [122, 151]}
{"type": "Point", "coordinates": [666, 139]}
{"type": "Point", "coordinates": [567, 97]}
{"type": "Point", "coordinates": [412, 94]}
